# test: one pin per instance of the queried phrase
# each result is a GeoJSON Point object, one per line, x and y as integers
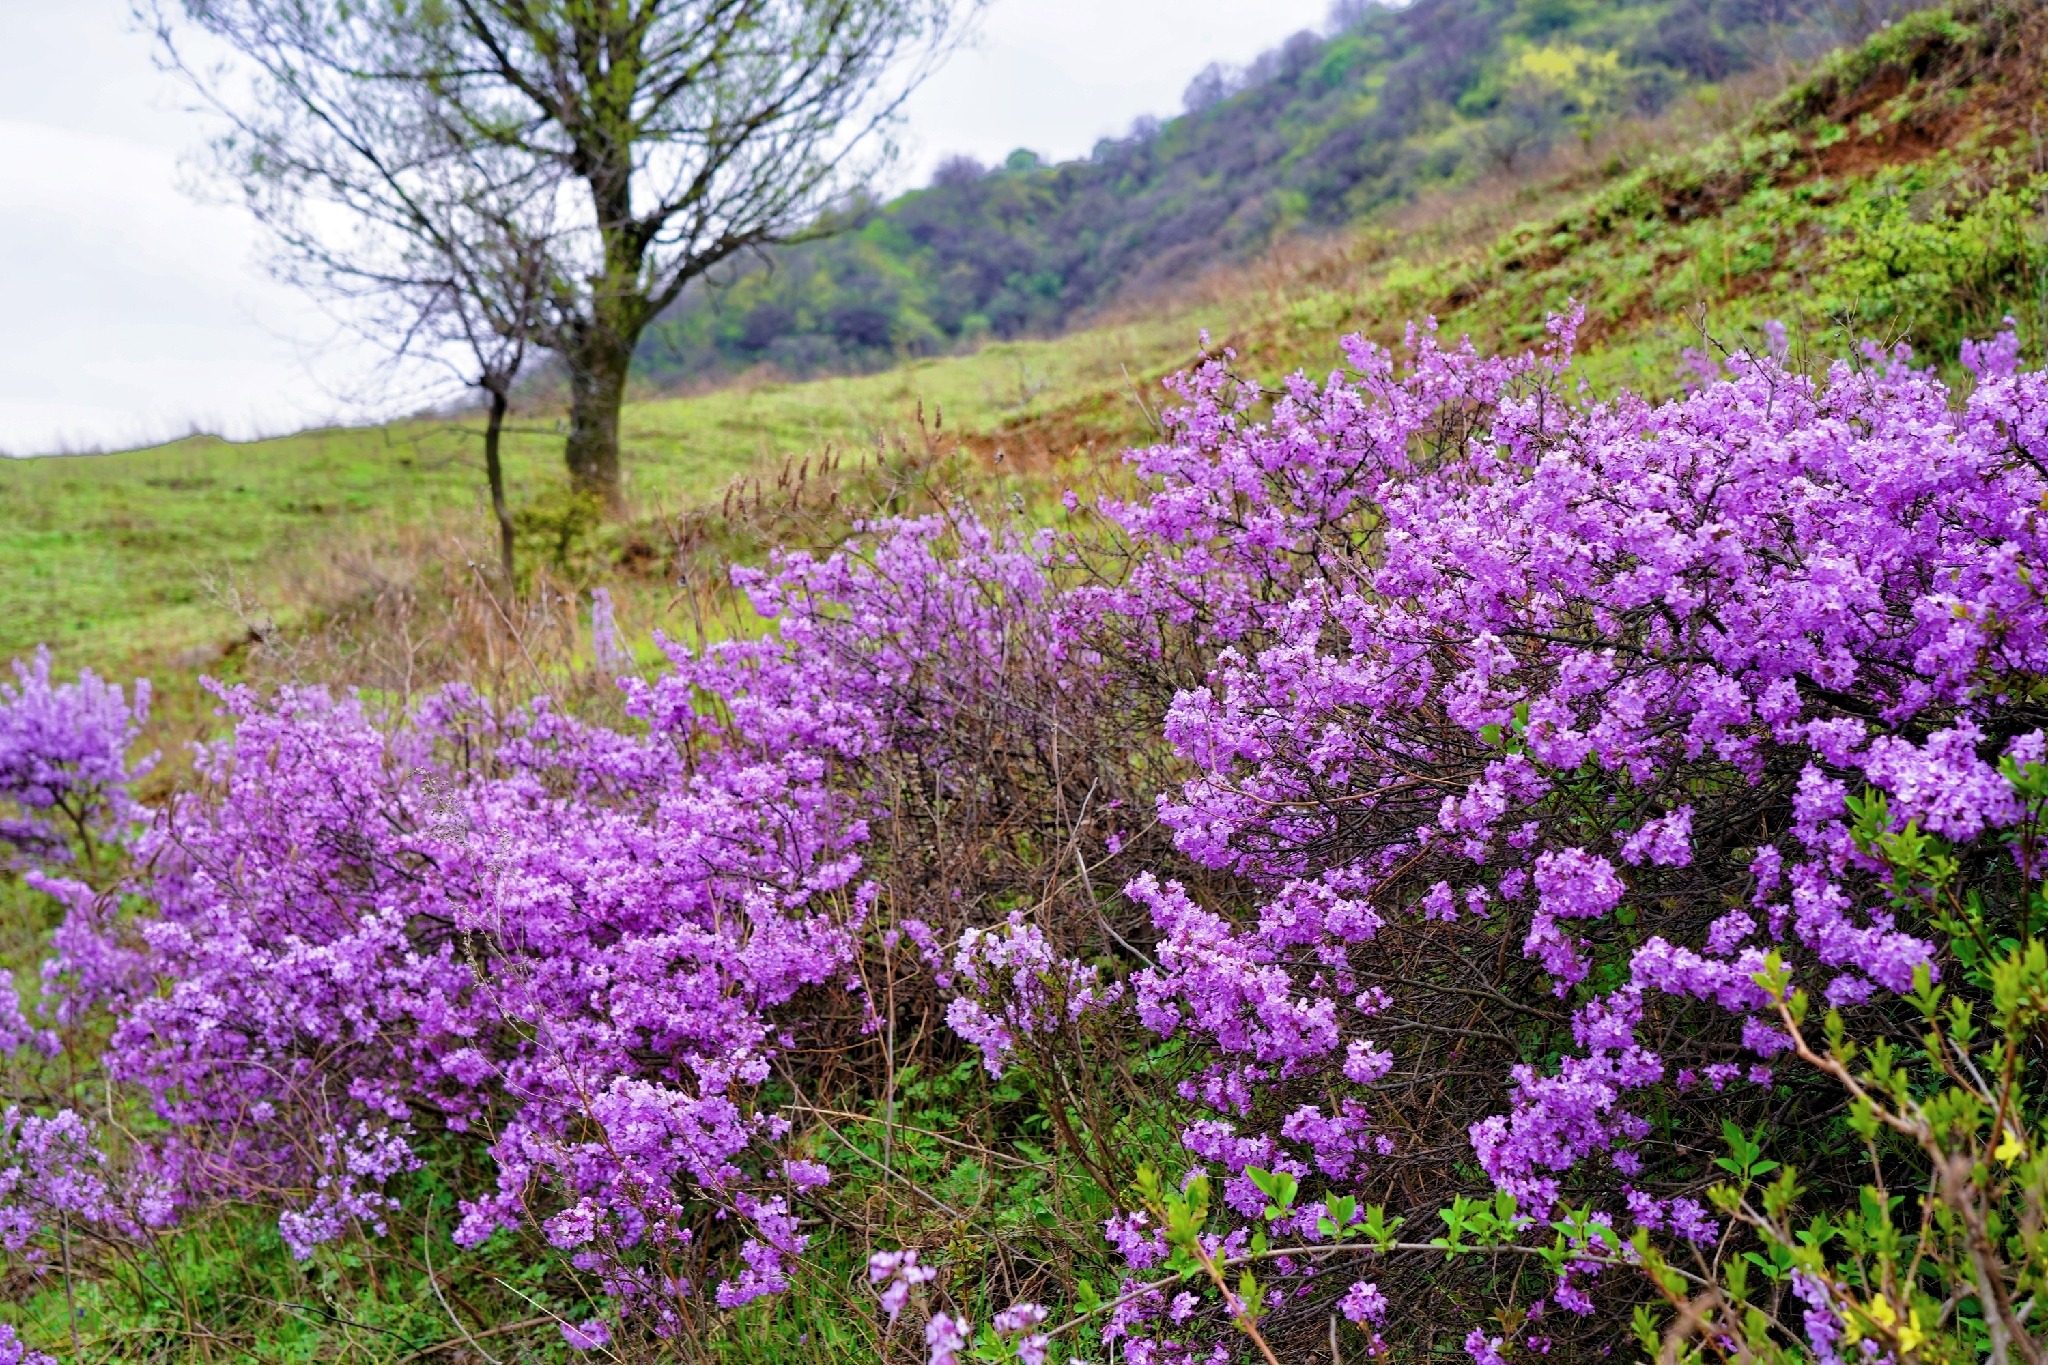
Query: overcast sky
{"type": "Point", "coordinates": [135, 313]}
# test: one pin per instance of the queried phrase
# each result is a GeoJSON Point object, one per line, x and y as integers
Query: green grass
{"type": "Point", "coordinates": [114, 557]}
{"type": "Point", "coordinates": [135, 559]}
{"type": "Point", "coordinates": [679, 448]}
{"type": "Point", "coordinates": [1933, 252]}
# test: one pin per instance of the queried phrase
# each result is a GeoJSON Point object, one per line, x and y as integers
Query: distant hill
{"type": "Point", "coordinates": [1314, 134]}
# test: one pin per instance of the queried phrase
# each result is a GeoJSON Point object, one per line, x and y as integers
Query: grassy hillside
{"type": "Point", "coordinates": [139, 556]}
{"type": "Point", "coordinates": [1394, 103]}
{"type": "Point", "coordinates": [1895, 192]}
{"type": "Point", "coordinates": [1898, 194]}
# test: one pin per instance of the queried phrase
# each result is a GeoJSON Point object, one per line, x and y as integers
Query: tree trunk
{"type": "Point", "coordinates": [495, 470]}
{"type": "Point", "coordinates": [597, 386]}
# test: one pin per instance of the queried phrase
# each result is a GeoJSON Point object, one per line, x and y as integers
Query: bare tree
{"type": "Point", "coordinates": [490, 303]}
{"type": "Point", "coordinates": [457, 269]}
{"type": "Point", "coordinates": [498, 342]}
{"type": "Point", "coordinates": [490, 307]}
{"type": "Point", "coordinates": [632, 144]}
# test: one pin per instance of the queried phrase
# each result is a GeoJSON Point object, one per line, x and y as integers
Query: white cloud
{"type": "Point", "coordinates": [135, 313]}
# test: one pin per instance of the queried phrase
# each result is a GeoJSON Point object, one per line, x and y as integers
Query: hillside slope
{"type": "Point", "coordinates": [1896, 192]}
{"type": "Point", "coordinates": [1311, 136]}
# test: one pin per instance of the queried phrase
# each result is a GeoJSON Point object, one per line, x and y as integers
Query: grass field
{"type": "Point", "coordinates": [139, 559]}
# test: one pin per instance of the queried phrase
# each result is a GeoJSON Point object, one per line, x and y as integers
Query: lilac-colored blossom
{"type": "Point", "coordinates": [1363, 1303]}
{"type": "Point", "coordinates": [946, 1336]}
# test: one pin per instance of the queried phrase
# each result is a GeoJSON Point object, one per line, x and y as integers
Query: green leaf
{"type": "Point", "coordinates": [1645, 1327]}
{"type": "Point", "coordinates": [1337, 1215]}
{"type": "Point", "coordinates": [1735, 1273]}
{"type": "Point", "coordinates": [1278, 1186]}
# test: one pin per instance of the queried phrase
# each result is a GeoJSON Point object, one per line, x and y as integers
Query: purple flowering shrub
{"type": "Point", "coordinates": [473, 940]}
{"type": "Point", "coordinates": [64, 770]}
{"type": "Point", "coordinates": [1501, 671]}
{"type": "Point", "coordinates": [559, 944]}
{"type": "Point", "coordinates": [1544, 729]}
{"type": "Point", "coordinates": [1372, 877]}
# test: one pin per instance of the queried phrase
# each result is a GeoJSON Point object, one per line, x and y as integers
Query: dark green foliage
{"type": "Point", "coordinates": [1313, 135]}
{"type": "Point", "coordinates": [558, 527]}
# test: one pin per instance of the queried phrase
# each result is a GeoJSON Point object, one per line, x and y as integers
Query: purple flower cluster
{"type": "Point", "coordinates": [572, 946]}
{"type": "Point", "coordinates": [64, 768]}
{"type": "Point", "coordinates": [1489, 656]}
{"type": "Point", "coordinates": [13, 1352]}
{"type": "Point", "coordinates": [898, 1273]}
{"type": "Point", "coordinates": [1013, 985]}
{"type": "Point", "coordinates": [1565, 712]}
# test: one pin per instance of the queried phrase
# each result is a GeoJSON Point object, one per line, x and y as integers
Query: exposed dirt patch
{"type": "Point", "coordinates": [1099, 427]}
{"type": "Point", "coordinates": [1932, 87]}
